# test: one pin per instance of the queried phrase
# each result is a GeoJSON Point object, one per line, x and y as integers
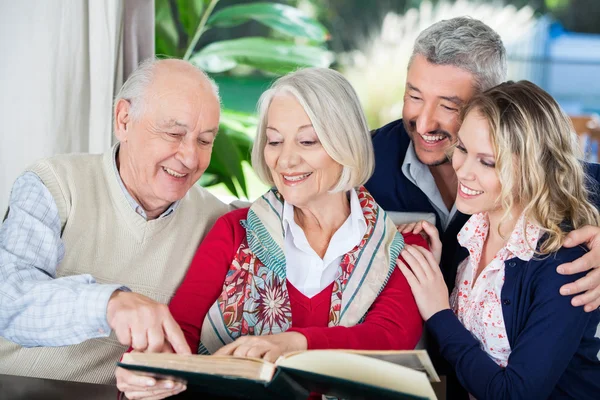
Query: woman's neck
{"type": "Point", "coordinates": [500, 226]}
{"type": "Point", "coordinates": [498, 234]}
{"type": "Point", "coordinates": [327, 214]}
{"type": "Point", "coordinates": [320, 220]}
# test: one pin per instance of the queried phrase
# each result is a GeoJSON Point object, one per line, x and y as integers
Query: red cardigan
{"type": "Point", "coordinates": [392, 323]}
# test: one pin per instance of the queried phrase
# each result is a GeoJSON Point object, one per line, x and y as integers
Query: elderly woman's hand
{"type": "Point", "coordinates": [268, 347]}
{"type": "Point", "coordinates": [429, 232]}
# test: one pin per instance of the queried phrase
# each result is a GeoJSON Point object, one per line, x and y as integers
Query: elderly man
{"type": "Point", "coordinates": [94, 244]}
{"type": "Point", "coordinates": [451, 61]}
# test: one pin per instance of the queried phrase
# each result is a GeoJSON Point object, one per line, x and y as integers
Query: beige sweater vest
{"type": "Point", "coordinates": [105, 237]}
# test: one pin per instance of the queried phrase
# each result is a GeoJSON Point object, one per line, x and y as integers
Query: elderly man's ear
{"type": "Point", "coordinates": [122, 119]}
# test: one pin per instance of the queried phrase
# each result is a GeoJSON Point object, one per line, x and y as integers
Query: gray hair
{"type": "Point", "coordinates": [468, 44]}
{"type": "Point", "coordinates": [337, 118]}
{"type": "Point", "coordinates": [134, 88]}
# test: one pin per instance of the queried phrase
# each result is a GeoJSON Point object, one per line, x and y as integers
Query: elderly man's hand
{"type": "Point", "coordinates": [590, 284]}
{"type": "Point", "coordinates": [144, 324]}
{"type": "Point", "coordinates": [145, 387]}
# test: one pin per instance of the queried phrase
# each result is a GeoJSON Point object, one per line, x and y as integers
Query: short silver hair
{"type": "Point", "coordinates": [337, 118]}
{"type": "Point", "coordinates": [134, 88]}
{"type": "Point", "coordinates": [468, 44]}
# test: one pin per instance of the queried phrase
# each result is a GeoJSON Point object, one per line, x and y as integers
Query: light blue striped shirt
{"type": "Point", "coordinates": [420, 175]}
{"type": "Point", "coordinates": [36, 307]}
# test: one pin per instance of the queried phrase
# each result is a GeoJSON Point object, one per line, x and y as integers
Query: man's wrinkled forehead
{"type": "Point", "coordinates": [446, 82]}
{"type": "Point", "coordinates": [459, 102]}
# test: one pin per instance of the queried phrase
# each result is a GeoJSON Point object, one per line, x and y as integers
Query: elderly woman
{"type": "Point", "coordinates": [311, 264]}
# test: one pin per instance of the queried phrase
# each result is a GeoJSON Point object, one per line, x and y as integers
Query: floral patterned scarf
{"type": "Point", "coordinates": [255, 300]}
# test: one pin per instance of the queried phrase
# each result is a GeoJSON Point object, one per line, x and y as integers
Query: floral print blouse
{"type": "Point", "coordinates": [478, 306]}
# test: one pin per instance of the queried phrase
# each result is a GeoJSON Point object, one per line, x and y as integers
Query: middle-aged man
{"type": "Point", "coordinates": [99, 243]}
{"type": "Point", "coordinates": [452, 60]}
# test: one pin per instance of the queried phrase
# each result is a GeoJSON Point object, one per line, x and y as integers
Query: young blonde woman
{"type": "Point", "coordinates": [506, 330]}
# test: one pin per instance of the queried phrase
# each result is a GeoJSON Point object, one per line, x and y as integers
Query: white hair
{"type": "Point", "coordinates": [468, 44]}
{"type": "Point", "coordinates": [134, 88]}
{"type": "Point", "coordinates": [337, 118]}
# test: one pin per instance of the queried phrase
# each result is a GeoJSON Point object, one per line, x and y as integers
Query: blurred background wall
{"type": "Point", "coordinates": [63, 61]}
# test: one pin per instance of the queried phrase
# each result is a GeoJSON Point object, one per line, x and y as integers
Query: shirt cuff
{"type": "Point", "coordinates": [94, 302]}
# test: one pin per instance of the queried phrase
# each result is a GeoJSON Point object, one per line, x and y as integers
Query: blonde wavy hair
{"type": "Point", "coordinates": [537, 160]}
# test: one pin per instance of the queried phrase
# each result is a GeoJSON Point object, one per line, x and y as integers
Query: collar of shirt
{"type": "Point", "coordinates": [420, 175]}
{"type": "Point", "coordinates": [521, 243]}
{"type": "Point", "coordinates": [343, 240]}
{"type": "Point", "coordinates": [134, 204]}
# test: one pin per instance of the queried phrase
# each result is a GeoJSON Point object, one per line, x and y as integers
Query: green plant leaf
{"type": "Point", "coordinates": [240, 121]}
{"type": "Point", "coordinates": [190, 12]}
{"type": "Point", "coordinates": [216, 173]}
{"type": "Point", "coordinates": [279, 57]}
{"type": "Point", "coordinates": [226, 152]}
{"type": "Point", "coordinates": [232, 147]}
{"type": "Point", "coordinates": [166, 32]}
{"type": "Point", "coordinates": [280, 17]}
{"type": "Point", "coordinates": [164, 44]}
{"type": "Point", "coordinates": [208, 179]}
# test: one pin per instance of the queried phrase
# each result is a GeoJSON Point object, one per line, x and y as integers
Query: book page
{"type": "Point", "coordinates": [414, 359]}
{"type": "Point", "coordinates": [250, 368]}
{"type": "Point", "coordinates": [359, 368]}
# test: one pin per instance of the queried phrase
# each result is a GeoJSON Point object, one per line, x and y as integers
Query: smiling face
{"type": "Point", "coordinates": [166, 150]}
{"type": "Point", "coordinates": [301, 169]}
{"type": "Point", "coordinates": [432, 101]}
{"type": "Point", "coordinates": [474, 162]}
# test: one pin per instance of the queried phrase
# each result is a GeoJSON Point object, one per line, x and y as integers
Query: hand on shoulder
{"type": "Point", "coordinates": [429, 232]}
{"type": "Point", "coordinates": [588, 287]}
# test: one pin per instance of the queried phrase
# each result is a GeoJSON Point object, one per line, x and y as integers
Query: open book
{"type": "Point", "coordinates": [341, 373]}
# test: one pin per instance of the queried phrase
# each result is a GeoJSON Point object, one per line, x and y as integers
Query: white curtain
{"type": "Point", "coordinates": [61, 64]}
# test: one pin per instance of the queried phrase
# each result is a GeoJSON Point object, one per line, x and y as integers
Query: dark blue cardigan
{"type": "Point", "coordinates": [541, 324]}
{"type": "Point", "coordinates": [554, 351]}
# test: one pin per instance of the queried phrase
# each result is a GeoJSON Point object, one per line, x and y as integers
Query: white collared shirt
{"type": "Point", "coordinates": [420, 175]}
{"type": "Point", "coordinates": [308, 272]}
{"type": "Point", "coordinates": [478, 305]}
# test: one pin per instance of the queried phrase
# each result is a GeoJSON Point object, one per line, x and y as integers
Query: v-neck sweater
{"type": "Point", "coordinates": [392, 323]}
{"type": "Point", "coordinates": [104, 237]}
